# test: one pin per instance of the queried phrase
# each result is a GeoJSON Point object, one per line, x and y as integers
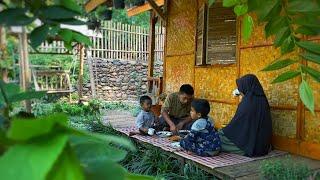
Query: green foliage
{"type": "Point", "coordinates": [51, 14]}
{"type": "Point", "coordinates": [306, 95]}
{"type": "Point", "coordinates": [287, 21]}
{"type": "Point", "coordinates": [284, 169]}
{"type": "Point", "coordinates": [69, 153]}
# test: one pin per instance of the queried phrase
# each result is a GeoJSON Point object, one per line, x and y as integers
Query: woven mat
{"type": "Point", "coordinates": [223, 159]}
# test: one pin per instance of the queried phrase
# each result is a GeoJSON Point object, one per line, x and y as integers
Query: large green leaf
{"type": "Point", "coordinates": [287, 45]}
{"type": "Point", "coordinates": [240, 9]}
{"type": "Point", "coordinates": [57, 12]}
{"type": "Point", "coordinates": [281, 36]}
{"type": "Point", "coordinates": [27, 96]}
{"type": "Point", "coordinates": [15, 17]}
{"type": "Point", "coordinates": [130, 176]}
{"type": "Point", "coordinates": [247, 27]}
{"type": "Point", "coordinates": [211, 2]}
{"type": "Point", "coordinates": [80, 38]}
{"type": "Point", "coordinates": [307, 6]}
{"type": "Point", "coordinates": [71, 4]}
{"type": "Point", "coordinates": [307, 30]}
{"type": "Point", "coordinates": [279, 64]}
{"type": "Point", "coordinates": [275, 25]}
{"type": "Point", "coordinates": [268, 9]}
{"type": "Point", "coordinates": [105, 170]}
{"type": "Point", "coordinates": [312, 72]}
{"type": "Point", "coordinates": [71, 21]}
{"type": "Point", "coordinates": [310, 46]}
{"type": "Point", "coordinates": [7, 90]}
{"type": "Point", "coordinates": [38, 35]}
{"type": "Point", "coordinates": [286, 76]}
{"type": "Point", "coordinates": [306, 95]}
{"type": "Point", "coordinates": [66, 167]}
{"type": "Point", "coordinates": [66, 35]}
{"type": "Point", "coordinates": [32, 160]}
{"type": "Point", "coordinates": [91, 150]}
{"type": "Point", "coordinates": [22, 129]}
{"type": "Point", "coordinates": [119, 141]}
{"type": "Point", "coordinates": [230, 3]}
{"type": "Point", "coordinates": [311, 57]}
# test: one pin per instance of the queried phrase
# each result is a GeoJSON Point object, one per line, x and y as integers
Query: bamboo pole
{"type": "Point", "coordinates": [80, 77]}
{"type": "Point", "coordinates": [151, 44]}
{"type": "Point", "coordinates": [24, 66]}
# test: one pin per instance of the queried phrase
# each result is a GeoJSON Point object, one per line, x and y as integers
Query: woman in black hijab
{"type": "Point", "coordinates": [249, 132]}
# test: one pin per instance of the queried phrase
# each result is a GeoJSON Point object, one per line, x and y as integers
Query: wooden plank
{"type": "Point", "coordinates": [146, 7]}
{"type": "Point", "coordinates": [157, 9]}
{"type": "Point", "coordinates": [92, 4]}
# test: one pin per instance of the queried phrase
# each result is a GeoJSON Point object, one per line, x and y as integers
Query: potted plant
{"type": "Point", "coordinates": [118, 4]}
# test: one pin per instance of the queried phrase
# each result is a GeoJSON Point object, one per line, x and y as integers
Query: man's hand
{"type": "Point", "coordinates": [173, 128]}
{"type": "Point", "coordinates": [180, 125]}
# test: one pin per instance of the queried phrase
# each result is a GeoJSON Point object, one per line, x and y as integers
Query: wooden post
{"type": "Point", "coordinates": [151, 47]}
{"type": "Point", "coordinates": [80, 77]}
{"type": "Point", "coordinates": [25, 77]}
{"type": "Point", "coordinates": [4, 72]}
{"type": "Point", "coordinates": [92, 81]}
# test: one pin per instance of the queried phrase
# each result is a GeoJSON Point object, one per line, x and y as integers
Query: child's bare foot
{"type": "Point", "coordinates": [189, 152]}
{"type": "Point", "coordinates": [133, 133]}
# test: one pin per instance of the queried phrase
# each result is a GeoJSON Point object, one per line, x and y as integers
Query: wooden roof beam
{"type": "Point", "coordinates": [146, 7]}
{"type": "Point", "coordinates": [92, 4]}
{"type": "Point", "coordinates": [157, 9]}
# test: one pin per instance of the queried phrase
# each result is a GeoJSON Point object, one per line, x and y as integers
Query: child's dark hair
{"type": "Point", "coordinates": [144, 98]}
{"type": "Point", "coordinates": [187, 89]}
{"type": "Point", "coordinates": [201, 106]}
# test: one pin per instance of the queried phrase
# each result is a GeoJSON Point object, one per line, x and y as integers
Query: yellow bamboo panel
{"type": "Point", "coordinates": [254, 60]}
{"type": "Point", "coordinates": [258, 35]}
{"type": "Point", "coordinates": [284, 123]}
{"type": "Point", "coordinates": [222, 113]}
{"type": "Point", "coordinates": [215, 82]}
{"type": "Point", "coordinates": [181, 27]}
{"type": "Point", "coordinates": [312, 127]}
{"type": "Point", "coordinates": [179, 70]}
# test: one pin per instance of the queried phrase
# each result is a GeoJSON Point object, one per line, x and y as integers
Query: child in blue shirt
{"type": "Point", "coordinates": [146, 120]}
{"type": "Point", "coordinates": [202, 140]}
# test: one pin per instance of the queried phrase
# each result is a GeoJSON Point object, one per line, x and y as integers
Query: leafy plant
{"type": "Point", "coordinates": [11, 93]}
{"type": "Point", "coordinates": [69, 153]}
{"type": "Point", "coordinates": [284, 169]}
{"type": "Point", "coordinates": [51, 14]}
{"type": "Point", "coordinates": [289, 22]}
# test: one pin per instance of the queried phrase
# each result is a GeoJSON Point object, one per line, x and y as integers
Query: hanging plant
{"type": "Point", "coordinates": [118, 4]}
{"type": "Point", "coordinates": [107, 15]}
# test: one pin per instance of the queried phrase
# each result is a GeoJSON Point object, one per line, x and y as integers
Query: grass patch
{"type": "Point", "coordinates": [285, 169]}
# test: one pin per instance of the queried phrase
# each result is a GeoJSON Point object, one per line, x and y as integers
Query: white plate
{"type": "Point", "coordinates": [164, 133]}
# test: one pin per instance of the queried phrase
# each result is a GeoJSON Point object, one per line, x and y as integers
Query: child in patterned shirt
{"type": "Point", "coordinates": [202, 140]}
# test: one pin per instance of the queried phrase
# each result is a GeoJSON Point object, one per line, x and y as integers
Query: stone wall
{"type": "Point", "coordinates": [120, 80]}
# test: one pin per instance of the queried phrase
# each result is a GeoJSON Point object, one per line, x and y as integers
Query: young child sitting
{"type": "Point", "coordinates": [202, 140]}
{"type": "Point", "coordinates": [145, 120]}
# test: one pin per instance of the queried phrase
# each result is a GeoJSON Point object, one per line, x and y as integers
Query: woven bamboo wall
{"type": "Point", "coordinates": [180, 42]}
{"type": "Point", "coordinates": [216, 83]}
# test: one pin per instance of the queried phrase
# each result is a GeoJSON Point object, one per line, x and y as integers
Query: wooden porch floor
{"type": "Point", "coordinates": [248, 170]}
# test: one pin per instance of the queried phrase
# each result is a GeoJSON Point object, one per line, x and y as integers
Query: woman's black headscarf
{"type": "Point", "coordinates": [251, 127]}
